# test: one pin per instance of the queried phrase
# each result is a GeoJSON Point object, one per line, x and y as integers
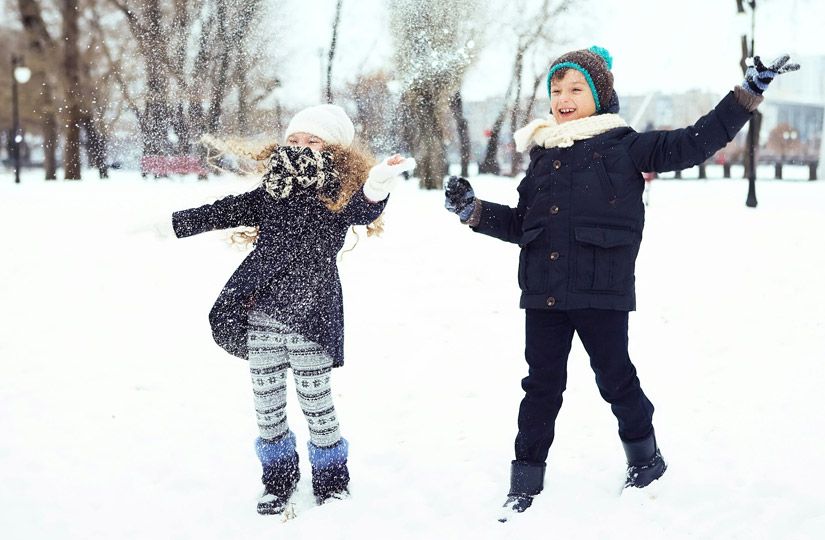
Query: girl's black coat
{"type": "Point", "coordinates": [580, 214]}
{"type": "Point", "coordinates": [291, 274]}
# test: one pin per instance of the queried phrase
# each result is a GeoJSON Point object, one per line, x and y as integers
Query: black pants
{"type": "Point", "coordinates": [549, 335]}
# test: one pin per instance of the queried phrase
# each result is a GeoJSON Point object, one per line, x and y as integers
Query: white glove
{"type": "Point", "coordinates": [163, 229]}
{"type": "Point", "coordinates": [384, 177]}
{"type": "Point", "coordinates": [159, 225]}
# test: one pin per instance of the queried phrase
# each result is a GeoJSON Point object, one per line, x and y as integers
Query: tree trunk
{"type": "Point", "coordinates": [243, 62]}
{"type": "Point", "coordinates": [92, 120]}
{"type": "Point", "coordinates": [490, 164]}
{"type": "Point", "coordinates": [155, 124]}
{"type": "Point", "coordinates": [332, 44]}
{"type": "Point", "coordinates": [95, 145]}
{"type": "Point", "coordinates": [515, 115]}
{"type": "Point", "coordinates": [518, 157]}
{"type": "Point", "coordinates": [220, 83]}
{"type": "Point", "coordinates": [457, 107]}
{"type": "Point", "coordinates": [243, 100]}
{"type": "Point", "coordinates": [51, 135]}
{"type": "Point", "coordinates": [43, 47]}
{"type": "Point", "coordinates": [427, 136]}
{"type": "Point", "coordinates": [71, 74]}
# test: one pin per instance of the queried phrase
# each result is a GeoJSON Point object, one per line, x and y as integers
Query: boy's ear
{"type": "Point", "coordinates": [612, 106]}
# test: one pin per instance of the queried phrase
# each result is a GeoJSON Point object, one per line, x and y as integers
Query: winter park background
{"type": "Point", "coordinates": [120, 418]}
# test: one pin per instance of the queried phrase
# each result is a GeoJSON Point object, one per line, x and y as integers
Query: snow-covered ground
{"type": "Point", "coordinates": [119, 417]}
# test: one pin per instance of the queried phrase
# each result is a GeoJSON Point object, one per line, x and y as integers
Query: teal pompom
{"type": "Point", "coordinates": [601, 51]}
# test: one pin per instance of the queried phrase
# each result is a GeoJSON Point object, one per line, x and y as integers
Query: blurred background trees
{"type": "Point", "coordinates": [113, 81]}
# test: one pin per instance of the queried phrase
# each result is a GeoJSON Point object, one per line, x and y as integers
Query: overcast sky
{"type": "Point", "coordinates": [657, 45]}
{"type": "Point", "coordinates": [664, 45]}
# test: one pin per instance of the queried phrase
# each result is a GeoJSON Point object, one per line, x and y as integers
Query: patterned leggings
{"type": "Point", "coordinates": [272, 349]}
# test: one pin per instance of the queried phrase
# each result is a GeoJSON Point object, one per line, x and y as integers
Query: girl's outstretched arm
{"type": "Point", "coordinates": [232, 211]}
{"type": "Point", "coordinates": [362, 211]}
{"type": "Point", "coordinates": [368, 202]}
{"type": "Point", "coordinates": [384, 176]}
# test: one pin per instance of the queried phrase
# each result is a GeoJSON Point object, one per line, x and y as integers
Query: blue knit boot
{"type": "Point", "coordinates": [280, 472]}
{"type": "Point", "coordinates": [330, 476]}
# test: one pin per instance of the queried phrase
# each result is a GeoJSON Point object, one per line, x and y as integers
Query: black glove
{"type": "Point", "coordinates": [459, 197]}
{"type": "Point", "coordinates": [758, 76]}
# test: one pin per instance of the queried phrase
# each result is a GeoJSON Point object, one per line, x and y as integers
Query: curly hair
{"type": "Point", "coordinates": [352, 165]}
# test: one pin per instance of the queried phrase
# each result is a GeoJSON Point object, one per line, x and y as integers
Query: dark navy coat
{"type": "Point", "coordinates": [292, 272]}
{"type": "Point", "coordinates": [580, 215]}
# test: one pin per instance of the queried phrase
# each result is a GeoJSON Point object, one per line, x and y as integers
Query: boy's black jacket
{"type": "Point", "coordinates": [291, 274]}
{"type": "Point", "coordinates": [580, 215]}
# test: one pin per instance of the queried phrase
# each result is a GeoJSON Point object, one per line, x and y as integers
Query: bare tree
{"type": "Point", "coordinates": [374, 110]}
{"type": "Point", "coordinates": [532, 28]}
{"type": "Point", "coordinates": [96, 94]}
{"type": "Point", "coordinates": [42, 49]}
{"type": "Point", "coordinates": [457, 108]}
{"type": "Point", "coordinates": [432, 56]}
{"type": "Point", "coordinates": [518, 120]}
{"type": "Point", "coordinates": [182, 94]}
{"type": "Point", "coordinates": [71, 90]}
{"type": "Point", "coordinates": [336, 20]}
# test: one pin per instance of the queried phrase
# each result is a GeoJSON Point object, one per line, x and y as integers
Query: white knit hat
{"type": "Point", "coordinates": [329, 122]}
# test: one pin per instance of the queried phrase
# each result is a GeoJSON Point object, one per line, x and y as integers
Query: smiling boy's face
{"type": "Point", "coordinates": [570, 97]}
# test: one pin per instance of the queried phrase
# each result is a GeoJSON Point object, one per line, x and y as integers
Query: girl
{"type": "Point", "coordinates": [579, 224]}
{"type": "Point", "coordinates": [282, 308]}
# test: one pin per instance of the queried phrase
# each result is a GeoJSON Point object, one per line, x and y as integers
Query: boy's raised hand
{"type": "Point", "coordinates": [459, 197]}
{"type": "Point", "coordinates": [759, 76]}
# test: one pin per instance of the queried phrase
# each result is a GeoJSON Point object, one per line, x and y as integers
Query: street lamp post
{"type": "Point", "coordinates": [754, 122]}
{"type": "Point", "coordinates": [21, 75]}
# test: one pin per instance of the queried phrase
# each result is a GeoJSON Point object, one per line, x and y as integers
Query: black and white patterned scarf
{"type": "Point", "coordinates": [294, 169]}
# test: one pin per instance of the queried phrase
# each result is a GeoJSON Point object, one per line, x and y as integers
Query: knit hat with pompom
{"type": "Point", "coordinates": [595, 64]}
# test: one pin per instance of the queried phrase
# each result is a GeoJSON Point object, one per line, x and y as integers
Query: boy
{"type": "Point", "coordinates": [579, 223]}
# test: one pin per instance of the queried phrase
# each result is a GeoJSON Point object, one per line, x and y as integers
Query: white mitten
{"type": "Point", "coordinates": [163, 229]}
{"type": "Point", "coordinates": [159, 224]}
{"type": "Point", "coordinates": [384, 177]}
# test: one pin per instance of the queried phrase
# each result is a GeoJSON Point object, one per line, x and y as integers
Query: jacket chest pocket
{"type": "Point", "coordinates": [605, 259]}
{"type": "Point", "coordinates": [531, 275]}
{"type": "Point", "coordinates": [592, 186]}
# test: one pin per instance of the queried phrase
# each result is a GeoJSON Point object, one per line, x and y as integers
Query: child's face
{"type": "Point", "coordinates": [570, 97]}
{"type": "Point", "coordinates": [306, 140]}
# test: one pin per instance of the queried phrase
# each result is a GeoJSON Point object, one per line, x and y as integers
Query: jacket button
{"type": "Point", "coordinates": [554, 209]}
{"type": "Point", "coordinates": [554, 255]}
{"type": "Point", "coordinates": [551, 301]}
{"type": "Point", "coordinates": [557, 164]}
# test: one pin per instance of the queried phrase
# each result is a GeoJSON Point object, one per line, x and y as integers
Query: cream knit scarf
{"type": "Point", "coordinates": [546, 132]}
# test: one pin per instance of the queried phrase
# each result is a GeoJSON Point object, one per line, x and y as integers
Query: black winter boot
{"type": "Point", "coordinates": [330, 475]}
{"type": "Point", "coordinates": [330, 483]}
{"type": "Point", "coordinates": [526, 481]}
{"type": "Point", "coordinates": [644, 462]}
{"type": "Point", "coordinates": [280, 473]}
{"type": "Point", "coordinates": [279, 482]}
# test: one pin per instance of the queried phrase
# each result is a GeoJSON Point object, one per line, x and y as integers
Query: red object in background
{"type": "Point", "coordinates": [166, 165]}
{"type": "Point", "coordinates": [488, 132]}
{"type": "Point", "coordinates": [648, 176]}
